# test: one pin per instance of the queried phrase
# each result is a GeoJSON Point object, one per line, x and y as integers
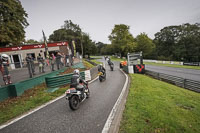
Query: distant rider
{"type": "Point", "coordinates": [4, 63]}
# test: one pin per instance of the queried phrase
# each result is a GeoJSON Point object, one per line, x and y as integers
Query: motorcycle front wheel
{"type": "Point", "coordinates": [74, 102]}
{"type": "Point", "coordinates": [88, 93]}
{"type": "Point", "coordinates": [100, 79]}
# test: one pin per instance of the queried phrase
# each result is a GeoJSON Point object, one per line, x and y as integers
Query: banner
{"type": "Point", "coordinates": [46, 46]}
{"type": "Point", "coordinates": [74, 46]}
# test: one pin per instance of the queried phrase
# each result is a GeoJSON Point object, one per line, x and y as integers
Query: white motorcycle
{"type": "Point", "coordinates": [76, 95]}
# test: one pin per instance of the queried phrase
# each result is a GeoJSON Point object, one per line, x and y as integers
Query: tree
{"type": "Point", "coordinates": [144, 44]}
{"type": "Point", "coordinates": [31, 41]}
{"type": "Point", "coordinates": [121, 39]}
{"type": "Point", "coordinates": [70, 31]}
{"type": "Point", "coordinates": [12, 22]}
{"type": "Point", "coordinates": [179, 42]}
{"type": "Point", "coordinates": [99, 46]}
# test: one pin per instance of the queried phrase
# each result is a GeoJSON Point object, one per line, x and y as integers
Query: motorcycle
{"type": "Point", "coordinates": [102, 76]}
{"type": "Point", "coordinates": [75, 95]}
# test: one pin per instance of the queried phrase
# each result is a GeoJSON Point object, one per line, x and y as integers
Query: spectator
{"type": "Point", "coordinates": [58, 60]}
{"type": "Point", "coordinates": [30, 65]}
{"type": "Point", "coordinates": [4, 63]}
{"type": "Point", "coordinates": [52, 61]}
{"type": "Point", "coordinates": [41, 63]}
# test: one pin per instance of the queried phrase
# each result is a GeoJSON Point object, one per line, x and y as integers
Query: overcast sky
{"type": "Point", "coordinates": [98, 17]}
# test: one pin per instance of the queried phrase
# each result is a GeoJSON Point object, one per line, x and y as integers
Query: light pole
{"type": "Point", "coordinates": [81, 46]}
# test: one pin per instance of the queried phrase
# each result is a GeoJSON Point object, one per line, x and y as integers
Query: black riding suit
{"type": "Point", "coordinates": [75, 83]}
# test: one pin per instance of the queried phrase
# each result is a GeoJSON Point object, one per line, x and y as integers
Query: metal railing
{"type": "Point", "coordinates": [178, 81]}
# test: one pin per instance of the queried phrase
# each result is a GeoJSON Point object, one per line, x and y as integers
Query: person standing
{"type": "Point", "coordinates": [58, 60]}
{"type": "Point", "coordinates": [67, 60]}
{"type": "Point", "coordinates": [4, 63]}
{"type": "Point", "coordinates": [62, 59]}
{"type": "Point", "coordinates": [30, 65]}
{"type": "Point", "coordinates": [52, 61]}
{"type": "Point", "coordinates": [41, 63]}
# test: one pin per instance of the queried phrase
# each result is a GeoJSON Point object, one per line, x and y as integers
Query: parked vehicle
{"type": "Point", "coordinates": [77, 95]}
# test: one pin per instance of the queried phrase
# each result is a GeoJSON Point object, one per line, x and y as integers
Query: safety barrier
{"type": "Point", "coordinates": [18, 89]}
{"type": "Point", "coordinates": [57, 81]}
{"type": "Point", "coordinates": [178, 81]}
{"type": "Point", "coordinates": [125, 69]}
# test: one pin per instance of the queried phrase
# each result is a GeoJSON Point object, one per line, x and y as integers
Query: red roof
{"type": "Point", "coordinates": [34, 46]}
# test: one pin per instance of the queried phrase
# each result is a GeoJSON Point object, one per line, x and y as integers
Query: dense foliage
{"type": "Point", "coordinates": [70, 31]}
{"type": "Point", "coordinates": [180, 42]}
{"type": "Point", "coordinates": [12, 22]}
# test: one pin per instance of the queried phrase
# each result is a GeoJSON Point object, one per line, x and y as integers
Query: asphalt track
{"type": "Point", "coordinates": [179, 72]}
{"type": "Point", "coordinates": [89, 118]}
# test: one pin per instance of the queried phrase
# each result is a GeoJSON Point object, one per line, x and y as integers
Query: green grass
{"type": "Point", "coordinates": [96, 57]}
{"type": "Point", "coordinates": [87, 64]}
{"type": "Point", "coordinates": [32, 98]}
{"type": "Point", "coordinates": [116, 59]}
{"type": "Point", "coordinates": [95, 61]}
{"type": "Point", "coordinates": [172, 65]}
{"type": "Point", "coordinates": [154, 106]}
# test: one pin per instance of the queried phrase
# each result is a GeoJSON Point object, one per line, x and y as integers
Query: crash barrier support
{"type": "Point", "coordinates": [18, 89]}
{"type": "Point", "coordinates": [61, 80]}
{"type": "Point", "coordinates": [140, 68]}
{"type": "Point", "coordinates": [178, 81]}
{"type": "Point", "coordinates": [57, 81]}
{"type": "Point", "coordinates": [125, 69]}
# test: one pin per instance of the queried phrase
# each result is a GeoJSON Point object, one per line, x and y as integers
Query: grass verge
{"type": "Point", "coordinates": [117, 59]}
{"type": "Point", "coordinates": [32, 98]}
{"type": "Point", "coordinates": [95, 61]}
{"type": "Point", "coordinates": [87, 64]}
{"type": "Point", "coordinates": [173, 65]}
{"type": "Point", "coordinates": [154, 106]}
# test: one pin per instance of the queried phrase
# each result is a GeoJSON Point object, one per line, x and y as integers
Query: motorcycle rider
{"type": "Point", "coordinates": [76, 81]}
{"type": "Point", "coordinates": [101, 69]}
{"type": "Point", "coordinates": [109, 61]}
{"type": "Point", "coordinates": [4, 63]}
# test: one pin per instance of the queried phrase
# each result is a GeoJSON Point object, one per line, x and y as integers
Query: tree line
{"type": "Point", "coordinates": [178, 42]}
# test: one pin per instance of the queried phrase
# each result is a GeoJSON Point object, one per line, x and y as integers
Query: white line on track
{"type": "Point", "coordinates": [36, 109]}
{"type": "Point", "coordinates": [114, 109]}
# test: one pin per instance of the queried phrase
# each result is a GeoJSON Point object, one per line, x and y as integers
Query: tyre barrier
{"type": "Point", "coordinates": [57, 81]}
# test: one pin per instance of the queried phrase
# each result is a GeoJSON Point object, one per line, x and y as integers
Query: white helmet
{"type": "Point", "coordinates": [76, 71]}
{"type": "Point", "coordinates": [4, 57]}
{"type": "Point", "coordinates": [101, 65]}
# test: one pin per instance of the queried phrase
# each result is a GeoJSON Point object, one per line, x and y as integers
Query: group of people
{"type": "Point", "coordinates": [60, 60]}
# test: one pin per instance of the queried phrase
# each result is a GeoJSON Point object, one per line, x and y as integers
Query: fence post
{"type": "Point", "coordinates": [158, 76]}
{"type": "Point", "coordinates": [184, 83]}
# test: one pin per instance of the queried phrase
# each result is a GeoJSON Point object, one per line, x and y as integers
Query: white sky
{"type": "Point", "coordinates": [98, 17]}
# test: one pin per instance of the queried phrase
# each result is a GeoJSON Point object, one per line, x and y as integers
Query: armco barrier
{"type": "Point", "coordinates": [56, 81]}
{"type": "Point", "coordinates": [18, 89]}
{"type": "Point", "coordinates": [178, 81]}
{"type": "Point", "coordinates": [125, 69]}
